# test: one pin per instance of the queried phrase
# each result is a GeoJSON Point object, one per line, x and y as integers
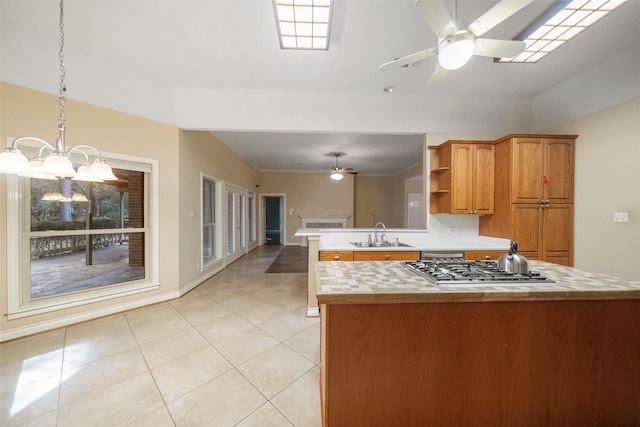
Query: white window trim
{"type": "Point", "coordinates": [217, 243]}
{"type": "Point", "coordinates": [19, 309]}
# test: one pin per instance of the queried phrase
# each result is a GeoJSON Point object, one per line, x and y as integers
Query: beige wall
{"type": "Point", "coordinates": [309, 194]}
{"type": "Point", "coordinates": [26, 112]}
{"type": "Point", "coordinates": [607, 180]}
{"type": "Point", "coordinates": [201, 152]}
{"type": "Point", "coordinates": [373, 201]}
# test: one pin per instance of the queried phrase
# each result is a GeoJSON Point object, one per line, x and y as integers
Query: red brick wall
{"type": "Point", "coordinates": [136, 218]}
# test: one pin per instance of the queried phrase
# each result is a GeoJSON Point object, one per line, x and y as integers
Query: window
{"type": "Point", "coordinates": [210, 213]}
{"type": "Point", "coordinates": [251, 211]}
{"type": "Point", "coordinates": [72, 241]}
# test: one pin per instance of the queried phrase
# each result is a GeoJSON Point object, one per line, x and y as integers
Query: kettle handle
{"type": "Point", "coordinates": [514, 248]}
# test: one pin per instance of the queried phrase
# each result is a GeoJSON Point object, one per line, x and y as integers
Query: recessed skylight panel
{"type": "Point", "coordinates": [303, 24]}
{"type": "Point", "coordinates": [563, 26]}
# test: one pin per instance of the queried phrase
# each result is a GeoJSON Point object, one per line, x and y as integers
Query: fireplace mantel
{"type": "Point", "coordinates": [324, 221]}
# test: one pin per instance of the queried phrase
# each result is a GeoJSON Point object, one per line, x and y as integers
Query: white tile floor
{"type": "Point", "coordinates": [236, 351]}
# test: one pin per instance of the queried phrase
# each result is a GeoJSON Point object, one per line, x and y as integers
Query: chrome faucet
{"type": "Point", "coordinates": [375, 233]}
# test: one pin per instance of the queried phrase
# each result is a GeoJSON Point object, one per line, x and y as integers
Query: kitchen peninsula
{"type": "Point", "coordinates": [399, 350]}
{"type": "Point", "coordinates": [342, 244]}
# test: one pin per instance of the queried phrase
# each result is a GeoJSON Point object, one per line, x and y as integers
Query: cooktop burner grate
{"type": "Point", "coordinates": [448, 272]}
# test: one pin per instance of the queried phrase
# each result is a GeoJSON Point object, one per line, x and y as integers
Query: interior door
{"type": "Point", "coordinates": [415, 210]}
{"type": "Point", "coordinates": [235, 223]}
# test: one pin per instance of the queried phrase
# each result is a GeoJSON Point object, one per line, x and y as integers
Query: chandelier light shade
{"type": "Point", "coordinates": [58, 197]}
{"type": "Point", "coordinates": [57, 164]}
{"type": "Point", "coordinates": [455, 51]}
{"type": "Point", "coordinates": [12, 161]}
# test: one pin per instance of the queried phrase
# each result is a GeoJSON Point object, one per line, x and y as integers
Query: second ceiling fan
{"type": "Point", "coordinates": [337, 173]}
{"type": "Point", "coordinates": [457, 42]}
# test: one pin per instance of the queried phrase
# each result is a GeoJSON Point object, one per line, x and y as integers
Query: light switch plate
{"type": "Point", "coordinates": [621, 217]}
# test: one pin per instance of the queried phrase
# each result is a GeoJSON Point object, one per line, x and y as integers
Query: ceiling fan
{"type": "Point", "coordinates": [337, 173]}
{"type": "Point", "coordinates": [457, 42]}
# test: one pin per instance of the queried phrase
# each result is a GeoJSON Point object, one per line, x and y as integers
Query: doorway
{"type": "Point", "coordinates": [236, 223]}
{"type": "Point", "coordinates": [415, 211]}
{"type": "Point", "coordinates": [274, 220]}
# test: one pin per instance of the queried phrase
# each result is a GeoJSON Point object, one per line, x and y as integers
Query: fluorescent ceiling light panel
{"type": "Point", "coordinates": [303, 24]}
{"type": "Point", "coordinates": [562, 26]}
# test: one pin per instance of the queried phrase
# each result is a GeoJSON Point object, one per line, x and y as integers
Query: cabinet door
{"type": "Point", "coordinates": [557, 234]}
{"type": "Point", "coordinates": [526, 172]}
{"type": "Point", "coordinates": [525, 226]}
{"type": "Point", "coordinates": [461, 178]}
{"type": "Point", "coordinates": [558, 170]}
{"type": "Point", "coordinates": [483, 178]}
{"type": "Point", "coordinates": [483, 255]}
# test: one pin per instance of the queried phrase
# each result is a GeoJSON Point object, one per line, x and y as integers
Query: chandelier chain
{"type": "Point", "coordinates": [63, 89]}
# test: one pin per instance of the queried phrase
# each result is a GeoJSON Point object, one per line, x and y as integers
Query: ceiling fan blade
{"type": "Point", "coordinates": [437, 17]}
{"type": "Point", "coordinates": [409, 59]}
{"type": "Point", "coordinates": [351, 172]}
{"type": "Point", "coordinates": [438, 76]}
{"type": "Point", "coordinates": [496, 15]}
{"type": "Point", "coordinates": [498, 48]}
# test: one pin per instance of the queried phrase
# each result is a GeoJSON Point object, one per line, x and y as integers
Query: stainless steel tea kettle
{"type": "Point", "coordinates": [512, 262]}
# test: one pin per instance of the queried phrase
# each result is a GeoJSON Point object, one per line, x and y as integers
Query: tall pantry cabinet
{"type": "Point", "coordinates": [534, 196]}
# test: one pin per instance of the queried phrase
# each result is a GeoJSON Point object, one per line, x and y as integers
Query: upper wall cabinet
{"type": "Point", "coordinates": [462, 178]}
{"type": "Point", "coordinates": [542, 170]}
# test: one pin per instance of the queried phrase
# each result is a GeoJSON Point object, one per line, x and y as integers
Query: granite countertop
{"type": "Point", "coordinates": [383, 282]}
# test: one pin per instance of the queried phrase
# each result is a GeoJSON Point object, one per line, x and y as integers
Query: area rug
{"type": "Point", "coordinates": [292, 259]}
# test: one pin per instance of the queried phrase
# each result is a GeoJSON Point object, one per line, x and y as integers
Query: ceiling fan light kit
{"type": "Point", "coordinates": [455, 51]}
{"type": "Point", "coordinates": [337, 172]}
{"type": "Point", "coordinates": [336, 175]}
{"type": "Point", "coordinates": [457, 42]}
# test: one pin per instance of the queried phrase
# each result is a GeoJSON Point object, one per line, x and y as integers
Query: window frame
{"type": "Point", "coordinates": [18, 234]}
{"type": "Point", "coordinates": [217, 221]}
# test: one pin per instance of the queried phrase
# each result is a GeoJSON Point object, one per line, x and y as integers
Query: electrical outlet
{"type": "Point", "coordinates": [621, 217]}
{"type": "Point", "coordinates": [451, 229]}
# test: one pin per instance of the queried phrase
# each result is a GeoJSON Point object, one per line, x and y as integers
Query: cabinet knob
{"type": "Point", "coordinates": [387, 257]}
{"type": "Point", "coordinates": [487, 257]}
{"type": "Point", "coordinates": [336, 257]}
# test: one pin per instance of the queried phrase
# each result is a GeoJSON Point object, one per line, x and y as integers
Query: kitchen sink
{"type": "Point", "coordinates": [384, 244]}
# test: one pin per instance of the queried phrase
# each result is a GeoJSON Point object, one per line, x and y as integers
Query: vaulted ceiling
{"type": "Point", "coordinates": [216, 65]}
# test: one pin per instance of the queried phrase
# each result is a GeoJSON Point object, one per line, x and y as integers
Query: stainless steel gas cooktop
{"type": "Point", "coordinates": [475, 273]}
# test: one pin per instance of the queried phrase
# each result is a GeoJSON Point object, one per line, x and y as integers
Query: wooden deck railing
{"type": "Point", "coordinates": [42, 247]}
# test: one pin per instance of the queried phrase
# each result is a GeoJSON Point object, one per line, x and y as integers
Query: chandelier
{"type": "Point", "coordinates": [56, 164]}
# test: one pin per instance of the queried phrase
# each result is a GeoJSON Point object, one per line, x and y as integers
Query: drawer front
{"type": "Point", "coordinates": [483, 255]}
{"type": "Point", "coordinates": [386, 256]}
{"type": "Point", "coordinates": [335, 256]}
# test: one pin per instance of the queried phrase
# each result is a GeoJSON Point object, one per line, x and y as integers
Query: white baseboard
{"type": "Point", "coordinates": [194, 283]}
{"type": "Point", "coordinates": [83, 317]}
{"type": "Point", "coordinates": [313, 312]}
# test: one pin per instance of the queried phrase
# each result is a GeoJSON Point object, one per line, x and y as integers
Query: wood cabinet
{"type": "Point", "coordinates": [386, 256]}
{"type": "Point", "coordinates": [505, 363]}
{"type": "Point", "coordinates": [335, 256]}
{"type": "Point", "coordinates": [483, 255]}
{"type": "Point", "coordinates": [542, 170]}
{"type": "Point", "coordinates": [534, 196]}
{"type": "Point", "coordinates": [462, 177]}
{"type": "Point", "coordinates": [369, 255]}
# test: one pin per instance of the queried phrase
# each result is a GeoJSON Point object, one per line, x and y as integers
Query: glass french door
{"type": "Point", "coordinates": [236, 222]}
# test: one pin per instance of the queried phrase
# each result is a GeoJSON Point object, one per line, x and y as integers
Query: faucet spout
{"type": "Point", "coordinates": [375, 232]}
